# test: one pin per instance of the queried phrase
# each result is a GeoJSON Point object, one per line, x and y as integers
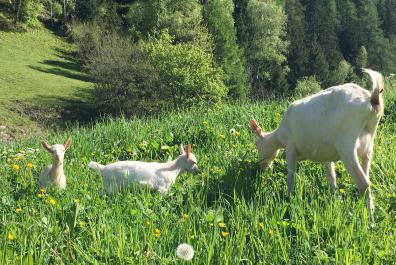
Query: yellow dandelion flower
{"type": "Point", "coordinates": [185, 216]}
{"type": "Point", "coordinates": [234, 132]}
{"type": "Point", "coordinates": [277, 114]}
{"type": "Point", "coordinates": [221, 224]}
{"type": "Point", "coordinates": [222, 136]}
{"type": "Point", "coordinates": [10, 236]}
{"type": "Point", "coordinates": [224, 234]}
{"type": "Point", "coordinates": [18, 210]}
{"type": "Point", "coordinates": [77, 200]}
{"type": "Point", "coordinates": [52, 201]}
{"type": "Point", "coordinates": [15, 167]}
{"type": "Point", "coordinates": [157, 233]}
{"type": "Point", "coordinates": [82, 223]}
{"type": "Point", "coordinates": [342, 190]}
{"type": "Point", "coordinates": [42, 190]}
{"type": "Point", "coordinates": [261, 225]}
{"type": "Point", "coordinates": [40, 195]}
{"type": "Point", "coordinates": [29, 165]}
{"type": "Point", "coordinates": [271, 232]}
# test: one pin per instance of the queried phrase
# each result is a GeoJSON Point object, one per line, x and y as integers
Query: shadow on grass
{"type": "Point", "coordinates": [62, 71]}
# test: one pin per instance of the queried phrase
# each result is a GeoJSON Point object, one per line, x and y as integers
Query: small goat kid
{"type": "Point", "coordinates": [338, 123]}
{"type": "Point", "coordinates": [158, 176]}
{"type": "Point", "coordinates": [53, 174]}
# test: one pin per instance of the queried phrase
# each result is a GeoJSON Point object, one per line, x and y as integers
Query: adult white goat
{"type": "Point", "coordinates": [53, 174]}
{"type": "Point", "coordinates": [338, 123]}
{"type": "Point", "coordinates": [158, 176]}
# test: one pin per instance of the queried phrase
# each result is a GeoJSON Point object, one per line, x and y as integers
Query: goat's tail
{"type": "Point", "coordinates": [378, 86]}
{"type": "Point", "coordinates": [96, 166]}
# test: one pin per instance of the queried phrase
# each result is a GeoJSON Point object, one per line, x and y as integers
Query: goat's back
{"type": "Point", "coordinates": [315, 125]}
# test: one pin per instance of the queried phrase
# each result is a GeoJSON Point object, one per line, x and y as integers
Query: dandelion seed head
{"type": "Point", "coordinates": [185, 251]}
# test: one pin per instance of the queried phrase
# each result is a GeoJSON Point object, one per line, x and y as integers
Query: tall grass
{"type": "Point", "coordinates": [231, 213]}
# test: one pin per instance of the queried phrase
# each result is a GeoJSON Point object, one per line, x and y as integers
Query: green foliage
{"type": "Point", "coordinates": [218, 15]}
{"type": "Point", "coordinates": [29, 12]}
{"type": "Point", "coordinates": [125, 80]}
{"type": "Point", "coordinates": [265, 47]}
{"type": "Point", "coordinates": [342, 74]}
{"type": "Point", "coordinates": [187, 72]}
{"type": "Point", "coordinates": [361, 58]}
{"type": "Point", "coordinates": [307, 86]}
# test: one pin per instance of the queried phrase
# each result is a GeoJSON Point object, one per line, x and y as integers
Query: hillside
{"type": "Point", "coordinates": [231, 213]}
{"type": "Point", "coordinates": [39, 78]}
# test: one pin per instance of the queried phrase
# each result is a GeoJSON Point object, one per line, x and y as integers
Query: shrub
{"type": "Point", "coordinates": [87, 37]}
{"type": "Point", "coordinates": [187, 72]}
{"type": "Point", "coordinates": [306, 86]}
{"type": "Point", "coordinates": [30, 10]}
{"type": "Point", "coordinates": [125, 81]}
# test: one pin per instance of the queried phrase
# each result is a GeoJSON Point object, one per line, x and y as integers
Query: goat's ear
{"type": "Point", "coordinates": [46, 146]}
{"type": "Point", "coordinates": [181, 149]}
{"type": "Point", "coordinates": [68, 143]}
{"type": "Point", "coordinates": [188, 151]}
{"type": "Point", "coordinates": [255, 127]}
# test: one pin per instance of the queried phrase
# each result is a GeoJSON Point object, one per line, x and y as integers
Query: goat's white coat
{"type": "Point", "coordinates": [158, 176]}
{"type": "Point", "coordinates": [338, 123]}
{"type": "Point", "coordinates": [54, 174]}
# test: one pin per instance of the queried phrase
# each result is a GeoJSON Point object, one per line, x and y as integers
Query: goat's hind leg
{"type": "Point", "coordinates": [350, 158]}
{"type": "Point", "coordinates": [330, 174]}
{"type": "Point", "coordinates": [291, 160]}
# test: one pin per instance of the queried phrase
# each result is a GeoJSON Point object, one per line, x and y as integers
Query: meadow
{"type": "Point", "coordinates": [231, 213]}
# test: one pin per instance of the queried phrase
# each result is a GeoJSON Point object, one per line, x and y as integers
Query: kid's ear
{"type": "Point", "coordinates": [188, 151]}
{"type": "Point", "coordinates": [181, 149]}
{"type": "Point", "coordinates": [46, 146]}
{"type": "Point", "coordinates": [68, 143]}
{"type": "Point", "coordinates": [255, 127]}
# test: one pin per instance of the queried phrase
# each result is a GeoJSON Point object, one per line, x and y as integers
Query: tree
{"type": "Point", "coordinates": [297, 56]}
{"type": "Point", "coordinates": [218, 16]}
{"type": "Point", "coordinates": [265, 47]}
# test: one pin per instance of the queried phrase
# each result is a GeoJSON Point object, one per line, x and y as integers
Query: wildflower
{"type": "Point", "coordinates": [224, 234]}
{"type": "Point", "coordinates": [222, 136]}
{"type": "Point", "coordinates": [18, 210]}
{"type": "Point", "coordinates": [147, 223]}
{"type": "Point", "coordinates": [185, 251]}
{"type": "Point", "coordinates": [157, 233]}
{"type": "Point", "coordinates": [277, 114]}
{"type": "Point", "coordinates": [184, 216]}
{"type": "Point", "coordinates": [234, 132]}
{"type": "Point", "coordinates": [15, 167]}
{"type": "Point", "coordinates": [82, 223]}
{"type": "Point", "coordinates": [221, 224]}
{"type": "Point", "coordinates": [10, 236]}
{"type": "Point", "coordinates": [271, 232]}
{"type": "Point", "coordinates": [40, 195]}
{"type": "Point", "coordinates": [205, 122]}
{"type": "Point", "coordinates": [52, 201]}
{"type": "Point", "coordinates": [77, 200]}
{"type": "Point", "coordinates": [261, 225]}
{"type": "Point", "coordinates": [42, 190]}
{"type": "Point", "coordinates": [342, 190]}
{"type": "Point", "coordinates": [29, 165]}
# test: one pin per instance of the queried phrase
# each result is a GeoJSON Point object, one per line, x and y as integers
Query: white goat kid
{"type": "Point", "coordinates": [158, 176]}
{"type": "Point", "coordinates": [338, 123]}
{"type": "Point", "coordinates": [53, 174]}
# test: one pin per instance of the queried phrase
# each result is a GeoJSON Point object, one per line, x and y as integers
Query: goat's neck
{"type": "Point", "coordinates": [273, 141]}
{"type": "Point", "coordinates": [173, 168]}
{"type": "Point", "coordinates": [57, 169]}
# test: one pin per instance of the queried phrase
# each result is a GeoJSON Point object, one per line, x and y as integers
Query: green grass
{"type": "Point", "coordinates": [264, 225]}
{"type": "Point", "coordinates": [38, 73]}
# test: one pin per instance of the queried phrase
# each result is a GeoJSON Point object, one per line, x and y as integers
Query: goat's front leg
{"type": "Point", "coordinates": [366, 161]}
{"type": "Point", "coordinates": [350, 158]}
{"type": "Point", "coordinates": [291, 160]}
{"type": "Point", "coordinates": [330, 174]}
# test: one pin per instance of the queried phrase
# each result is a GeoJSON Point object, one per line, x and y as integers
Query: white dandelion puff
{"type": "Point", "coordinates": [185, 251]}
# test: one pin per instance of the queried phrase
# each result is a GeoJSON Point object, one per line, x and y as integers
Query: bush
{"type": "Point", "coordinates": [30, 10]}
{"type": "Point", "coordinates": [307, 85]}
{"type": "Point", "coordinates": [125, 81]}
{"type": "Point", "coordinates": [187, 72]}
{"type": "Point", "coordinates": [87, 37]}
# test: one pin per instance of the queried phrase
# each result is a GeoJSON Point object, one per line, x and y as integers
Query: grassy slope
{"type": "Point", "coordinates": [36, 68]}
{"type": "Point", "coordinates": [315, 226]}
